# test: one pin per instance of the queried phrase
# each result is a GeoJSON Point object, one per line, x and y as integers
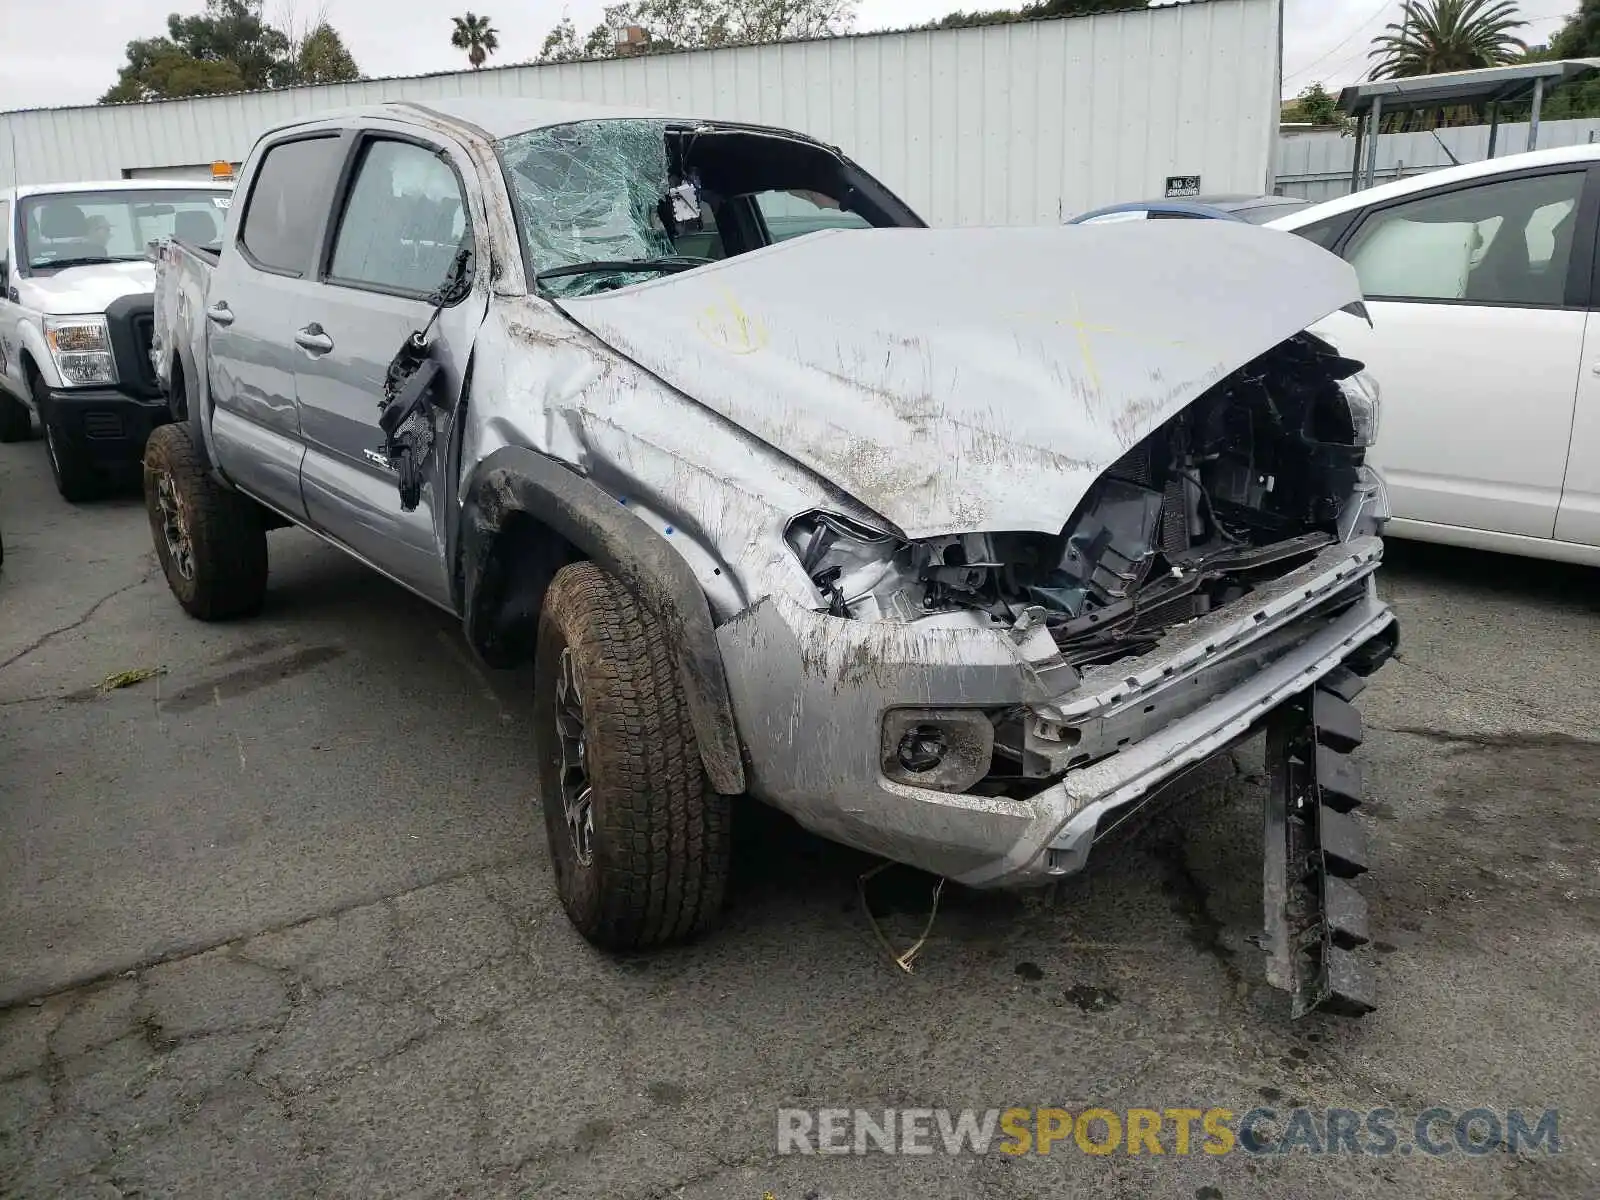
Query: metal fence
{"type": "Point", "coordinates": [1014, 124]}
{"type": "Point", "coordinates": [1316, 166]}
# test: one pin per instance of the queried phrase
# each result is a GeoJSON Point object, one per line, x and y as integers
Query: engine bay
{"type": "Point", "coordinates": [1245, 484]}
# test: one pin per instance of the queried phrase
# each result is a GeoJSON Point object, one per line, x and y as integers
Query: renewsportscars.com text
{"type": "Point", "coordinates": [1434, 1132]}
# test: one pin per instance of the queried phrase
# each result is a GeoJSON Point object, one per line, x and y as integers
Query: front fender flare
{"type": "Point", "coordinates": [514, 479]}
{"type": "Point", "coordinates": [30, 338]}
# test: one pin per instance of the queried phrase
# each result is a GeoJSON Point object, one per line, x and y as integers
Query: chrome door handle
{"type": "Point", "coordinates": [220, 314]}
{"type": "Point", "coordinates": [312, 340]}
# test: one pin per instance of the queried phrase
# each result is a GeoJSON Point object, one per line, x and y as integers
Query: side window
{"type": "Point", "coordinates": [403, 222]}
{"type": "Point", "coordinates": [791, 213]}
{"type": "Point", "coordinates": [5, 241]}
{"type": "Point", "coordinates": [1508, 242]}
{"type": "Point", "coordinates": [286, 204]}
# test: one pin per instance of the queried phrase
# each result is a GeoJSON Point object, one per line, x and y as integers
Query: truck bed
{"type": "Point", "coordinates": [183, 278]}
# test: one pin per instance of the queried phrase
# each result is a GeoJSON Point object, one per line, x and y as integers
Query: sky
{"type": "Point", "coordinates": [67, 51]}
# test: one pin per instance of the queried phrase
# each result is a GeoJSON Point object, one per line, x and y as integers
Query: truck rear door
{"type": "Point", "coordinates": [262, 285]}
{"type": "Point", "coordinates": [404, 210]}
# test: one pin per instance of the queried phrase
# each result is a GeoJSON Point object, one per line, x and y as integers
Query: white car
{"type": "Point", "coordinates": [1482, 285]}
{"type": "Point", "coordinates": [76, 318]}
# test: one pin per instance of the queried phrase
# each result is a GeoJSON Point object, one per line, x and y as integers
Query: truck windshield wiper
{"type": "Point", "coordinates": [87, 261]}
{"type": "Point", "coordinates": [665, 266]}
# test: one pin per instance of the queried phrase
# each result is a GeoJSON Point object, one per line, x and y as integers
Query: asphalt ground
{"type": "Point", "coordinates": [278, 921]}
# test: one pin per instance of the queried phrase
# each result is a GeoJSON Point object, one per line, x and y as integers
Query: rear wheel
{"type": "Point", "coordinates": [16, 423]}
{"type": "Point", "coordinates": [638, 839]}
{"type": "Point", "coordinates": [211, 541]}
{"type": "Point", "coordinates": [70, 466]}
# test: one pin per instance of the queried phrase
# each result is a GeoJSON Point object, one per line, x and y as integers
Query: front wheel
{"type": "Point", "coordinates": [211, 541]}
{"type": "Point", "coordinates": [70, 466]}
{"type": "Point", "coordinates": [638, 839]}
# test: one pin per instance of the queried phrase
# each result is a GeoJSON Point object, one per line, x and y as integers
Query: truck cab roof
{"type": "Point", "coordinates": [502, 117]}
{"type": "Point", "coordinates": [109, 185]}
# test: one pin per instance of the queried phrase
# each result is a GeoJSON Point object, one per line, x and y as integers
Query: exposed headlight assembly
{"type": "Point", "coordinates": [81, 347]}
{"type": "Point", "coordinates": [849, 563]}
{"type": "Point", "coordinates": [1360, 392]}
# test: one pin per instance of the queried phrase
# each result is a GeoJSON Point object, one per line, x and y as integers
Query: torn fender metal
{"type": "Point", "coordinates": [970, 380]}
{"type": "Point", "coordinates": [721, 496]}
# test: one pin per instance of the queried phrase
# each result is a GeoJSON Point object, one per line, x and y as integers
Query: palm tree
{"type": "Point", "coordinates": [1447, 35]}
{"type": "Point", "coordinates": [476, 36]}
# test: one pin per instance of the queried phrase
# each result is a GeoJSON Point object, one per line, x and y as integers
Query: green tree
{"type": "Point", "coordinates": [476, 36]}
{"type": "Point", "coordinates": [233, 31]}
{"type": "Point", "coordinates": [160, 69]}
{"type": "Point", "coordinates": [323, 58]}
{"type": "Point", "coordinates": [756, 21]}
{"type": "Point", "coordinates": [561, 43]}
{"type": "Point", "coordinates": [1447, 35]}
{"type": "Point", "coordinates": [1318, 106]}
{"type": "Point", "coordinates": [1040, 10]}
{"type": "Point", "coordinates": [315, 52]}
{"type": "Point", "coordinates": [1579, 37]}
{"type": "Point", "coordinates": [694, 24]}
{"type": "Point", "coordinates": [230, 47]}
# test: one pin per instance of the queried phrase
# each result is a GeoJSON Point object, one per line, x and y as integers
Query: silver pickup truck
{"type": "Point", "coordinates": [956, 545]}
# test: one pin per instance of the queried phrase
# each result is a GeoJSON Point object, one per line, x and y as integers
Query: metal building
{"type": "Point", "coordinates": [1003, 124]}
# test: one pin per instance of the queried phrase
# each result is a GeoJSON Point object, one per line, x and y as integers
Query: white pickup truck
{"type": "Point", "coordinates": [957, 545]}
{"type": "Point", "coordinates": [75, 316]}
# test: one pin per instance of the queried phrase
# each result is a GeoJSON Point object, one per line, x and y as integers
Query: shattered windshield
{"type": "Point", "coordinates": [591, 191]}
{"type": "Point", "coordinates": [607, 203]}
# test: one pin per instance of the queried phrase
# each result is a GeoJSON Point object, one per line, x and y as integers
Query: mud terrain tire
{"type": "Point", "coordinates": [215, 558]}
{"type": "Point", "coordinates": [656, 835]}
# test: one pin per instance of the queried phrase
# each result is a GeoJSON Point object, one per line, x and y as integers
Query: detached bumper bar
{"type": "Point", "coordinates": [1313, 852]}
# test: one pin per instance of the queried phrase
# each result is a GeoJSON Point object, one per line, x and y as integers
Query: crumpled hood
{"type": "Point", "coordinates": [79, 290]}
{"type": "Point", "coordinates": [967, 380]}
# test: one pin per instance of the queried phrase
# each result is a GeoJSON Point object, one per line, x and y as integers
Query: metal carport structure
{"type": "Point", "coordinates": [1369, 102]}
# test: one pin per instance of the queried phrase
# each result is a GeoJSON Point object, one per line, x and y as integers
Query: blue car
{"type": "Point", "coordinates": [1257, 210]}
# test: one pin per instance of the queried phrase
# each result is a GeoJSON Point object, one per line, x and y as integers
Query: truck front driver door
{"type": "Point", "coordinates": [404, 214]}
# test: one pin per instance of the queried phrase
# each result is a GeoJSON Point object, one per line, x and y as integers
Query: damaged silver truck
{"type": "Point", "coordinates": [956, 545]}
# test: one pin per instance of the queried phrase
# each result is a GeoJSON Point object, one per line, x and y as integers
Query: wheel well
{"type": "Point", "coordinates": [30, 369]}
{"type": "Point", "coordinates": [516, 571]}
{"type": "Point", "coordinates": [178, 392]}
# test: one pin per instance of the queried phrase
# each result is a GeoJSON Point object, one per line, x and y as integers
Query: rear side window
{"type": "Point", "coordinates": [5, 233]}
{"type": "Point", "coordinates": [795, 212]}
{"type": "Point", "coordinates": [287, 202]}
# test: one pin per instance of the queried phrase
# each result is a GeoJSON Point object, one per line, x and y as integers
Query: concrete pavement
{"type": "Point", "coordinates": [279, 922]}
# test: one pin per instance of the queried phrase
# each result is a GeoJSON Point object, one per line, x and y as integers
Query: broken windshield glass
{"type": "Point", "coordinates": [591, 191]}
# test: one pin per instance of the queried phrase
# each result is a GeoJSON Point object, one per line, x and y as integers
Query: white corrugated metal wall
{"type": "Point", "coordinates": [1001, 124]}
{"type": "Point", "coordinates": [1316, 166]}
